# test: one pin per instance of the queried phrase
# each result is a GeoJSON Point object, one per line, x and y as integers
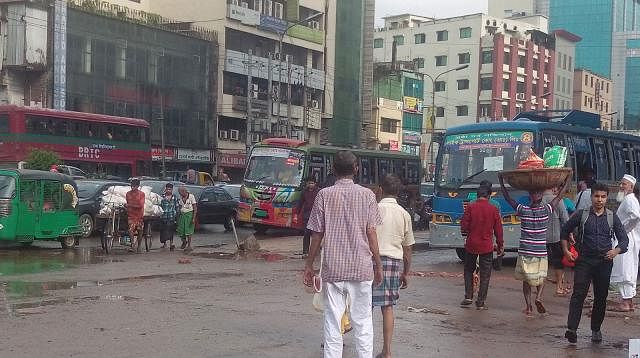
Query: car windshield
{"type": "Point", "coordinates": [87, 189]}
{"type": "Point", "coordinates": [7, 187]}
{"type": "Point", "coordinates": [276, 166]}
{"type": "Point", "coordinates": [196, 191]}
{"type": "Point", "coordinates": [233, 190]}
{"type": "Point", "coordinates": [473, 157]}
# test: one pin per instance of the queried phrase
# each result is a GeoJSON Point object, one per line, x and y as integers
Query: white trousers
{"type": "Point", "coordinates": [335, 303]}
{"type": "Point", "coordinates": [627, 290]}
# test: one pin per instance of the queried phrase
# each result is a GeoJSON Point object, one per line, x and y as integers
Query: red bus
{"type": "Point", "coordinates": [98, 144]}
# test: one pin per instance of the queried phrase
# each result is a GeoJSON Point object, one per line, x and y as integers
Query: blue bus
{"type": "Point", "coordinates": [473, 153]}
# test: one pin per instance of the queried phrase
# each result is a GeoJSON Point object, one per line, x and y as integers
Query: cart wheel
{"type": "Point", "coordinates": [68, 242]}
{"type": "Point", "coordinates": [106, 240]}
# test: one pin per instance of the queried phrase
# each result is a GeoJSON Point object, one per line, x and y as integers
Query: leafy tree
{"type": "Point", "coordinates": [39, 159]}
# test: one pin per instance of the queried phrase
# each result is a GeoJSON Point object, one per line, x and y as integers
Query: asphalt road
{"type": "Point", "coordinates": [212, 303]}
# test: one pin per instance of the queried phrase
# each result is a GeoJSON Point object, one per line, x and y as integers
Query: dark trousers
{"type": "Point", "coordinates": [485, 262]}
{"type": "Point", "coordinates": [587, 270]}
{"type": "Point", "coordinates": [306, 240]}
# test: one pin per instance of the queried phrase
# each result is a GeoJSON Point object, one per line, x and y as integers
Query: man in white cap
{"type": "Point", "coordinates": [625, 266]}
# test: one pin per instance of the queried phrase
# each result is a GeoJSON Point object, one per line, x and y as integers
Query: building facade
{"type": "Point", "coordinates": [594, 93]}
{"type": "Point", "coordinates": [249, 34]}
{"type": "Point", "coordinates": [565, 62]}
{"type": "Point", "coordinates": [90, 56]}
{"type": "Point", "coordinates": [476, 68]}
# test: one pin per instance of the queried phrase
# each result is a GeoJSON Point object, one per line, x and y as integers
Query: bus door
{"type": "Point", "coordinates": [317, 168]}
{"type": "Point", "coordinates": [602, 159]}
{"type": "Point", "coordinates": [583, 159]}
{"type": "Point", "coordinates": [549, 139]}
{"type": "Point", "coordinates": [49, 222]}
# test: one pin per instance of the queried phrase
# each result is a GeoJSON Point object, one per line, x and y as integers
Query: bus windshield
{"type": "Point", "coordinates": [7, 187]}
{"type": "Point", "coordinates": [276, 166]}
{"type": "Point", "coordinates": [470, 158]}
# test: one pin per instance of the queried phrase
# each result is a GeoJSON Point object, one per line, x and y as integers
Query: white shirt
{"type": "Point", "coordinates": [583, 200]}
{"type": "Point", "coordinates": [186, 206]}
{"type": "Point", "coordinates": [396, 230]}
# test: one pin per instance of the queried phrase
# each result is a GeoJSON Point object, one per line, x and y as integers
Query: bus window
{"type": "Point", "coordinates": [601, 152]}
{"type": "Point", "coordinates": [584, 159]}
{"type": "Point", "coordinates": [367, 176]}
{"type": "Point", "coordinates": [619, 160]}
{"type": "Point", "coordinates": [398, 168]}
{"type": "Point", "coordinates": [4, 123]}
{"type": "Point", "coordinates": [413, 171]}
{"type": "Point", "coordinates": [383, 169]}
{"type": "Point", "coordinates": [628, 159]}
{"type": "Point", "coordinates": [636, 150]}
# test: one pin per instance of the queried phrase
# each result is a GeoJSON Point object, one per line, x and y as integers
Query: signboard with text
{"type": "Point", "coordinates": [393, 145]}
{"type": "Point", "coordinates": [273, 24]}
{"type": "Point", "coordinates": [232, 160]}
{"type": "Point", "coordinates": [244, 15]}
{"type": "Point", "coordinates": [194, 155]}
{"type": "Point", "coordinates": [156, 153]}
{"type": "Point", "coordinates": [412, 104]}
{"type": "Point", "coordinates": [411, 137]}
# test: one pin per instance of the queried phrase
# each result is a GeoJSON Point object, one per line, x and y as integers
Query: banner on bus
{"type": "Point", "coordinates": [470, 141]}
{"type": "Point", "coordinates": [156, 153]}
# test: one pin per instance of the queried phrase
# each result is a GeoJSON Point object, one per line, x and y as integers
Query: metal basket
{"type": "Point", "coordinates": [536, 179]}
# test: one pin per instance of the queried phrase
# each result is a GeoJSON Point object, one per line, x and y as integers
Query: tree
{"type": "Point", "coordinates": [40, 159]}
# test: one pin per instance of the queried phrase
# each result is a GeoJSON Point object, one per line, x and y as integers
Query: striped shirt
{"type": "Point", "coordinates": [533, 229]}
{"type": "Point", "coordinates": [343, 213]}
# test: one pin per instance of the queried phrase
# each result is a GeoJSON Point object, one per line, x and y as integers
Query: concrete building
{"type": "Point", "coordinates": [249, 37]}
{"type": "Point", "coordinates": [516, 8]}
{"type": "Point", "coordinates": [483, 68]}
{"type": "Point", "coordinates": [565, 62]}
{"type": "Point", "coordinates": [594, 93]}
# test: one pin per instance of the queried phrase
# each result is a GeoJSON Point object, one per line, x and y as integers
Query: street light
{"type": "Point", "coordinates": [432, 120]}
{"type": "Point", "coordinates": [296, 23]}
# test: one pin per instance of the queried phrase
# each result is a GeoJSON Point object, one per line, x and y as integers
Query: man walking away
{"type": "Point", "coordinates": [305, 206]}
{"type": "Point", "coordinates": [170, 207]}
{"type": "Point", "coordinates": [135, 214]}
{"type": "Point", "coordinates": [343, 220]}
{"type": "Point", "coordinates": [554, 248]}
{"type": "Point", "coordinates": [395, 238]}
{"type": "Point", "coordinates": [596, 227]}
{"type": "Point", "coordinates": [625, 266]}
{"type": "Point", "coordinates": [532, 264]}
{"type": "Point", "coordinates": [481, 221]}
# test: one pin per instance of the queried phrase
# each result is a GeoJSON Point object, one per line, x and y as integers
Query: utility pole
{"type": "Point", "coordinates": [270, 91]}
{"type": "Point", "coordinates": [162, 147]}
{"type": "Point", "coordinates": [280, 54]}
{"type": "Point", "coordinates": [289, 97]}
{"type": "Point", "coordinates": [305, 105]}
{"type": "Point", "coordinates": [249, 98]}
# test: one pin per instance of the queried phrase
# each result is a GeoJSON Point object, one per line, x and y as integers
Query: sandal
{"type": "Point", "coordinates": [540, 307]}
{"type": "Point", "coordinates": [561, 293]}
{"type": "Point", "coordinates": [618, 308]}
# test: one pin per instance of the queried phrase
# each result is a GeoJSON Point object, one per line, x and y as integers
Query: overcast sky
{"type": "Point", "coordinates": [432, 8]}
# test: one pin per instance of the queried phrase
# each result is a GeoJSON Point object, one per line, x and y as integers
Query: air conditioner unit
{"type": "Point", "coordinates": [520, 96]}
{"type": "Point", "coordinates": [234, 134]}
{"type": "Point", "coordinates": [255, 137]}
{"type": "Point", "coordinates": [223, 134]}
{"type": "Point", "coordinates": [315, 104]}
{"type": "Point", "coordinates": [278, 10]}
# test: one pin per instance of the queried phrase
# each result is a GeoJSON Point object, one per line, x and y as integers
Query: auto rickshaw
{"type": "Point", "coordinates": [38, 205]}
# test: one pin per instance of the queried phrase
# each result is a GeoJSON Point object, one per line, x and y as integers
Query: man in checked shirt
{"type": "Point", "coordinates": [343, 220]}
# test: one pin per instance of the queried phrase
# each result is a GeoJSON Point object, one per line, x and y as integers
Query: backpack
{"type": "Point", "coordinates": [584, 215]}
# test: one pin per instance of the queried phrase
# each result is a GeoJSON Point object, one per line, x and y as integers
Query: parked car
{"type": "Point", "coordinates": [75, 173]}
{"type": "Point", "coordinates": [232, 189]}
{"type": "Point", "coordinates": [157, 185]}
{"type": "Point", "coordinates": [89, 193]}
{"type": "Point", "coordinates": [216, 206]}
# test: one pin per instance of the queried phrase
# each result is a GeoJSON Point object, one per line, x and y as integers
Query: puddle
{"type": "Point", "coordinates": [35, 260]}
{"type": "Point", "coordinates": [216, 255]}
{"type": "Point", "coordinates": [39, 307]}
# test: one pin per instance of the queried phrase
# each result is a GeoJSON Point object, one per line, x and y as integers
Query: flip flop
{"type": "Point", "coordinates": [561, 293]}
{"type": "Point", "coordinates": [619, 309]}
{"type": "Point", "coordinates": [540, 307]}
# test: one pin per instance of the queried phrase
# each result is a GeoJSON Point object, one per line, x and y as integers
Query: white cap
{"type": "Point", "coordinates": [630, 179]}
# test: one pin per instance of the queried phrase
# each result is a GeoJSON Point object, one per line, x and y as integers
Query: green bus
{"type": "Point", "coordinates": [277, 169]}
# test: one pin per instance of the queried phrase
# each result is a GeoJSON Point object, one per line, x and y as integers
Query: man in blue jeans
{"type": "Point", "coordinates": [594, 261]}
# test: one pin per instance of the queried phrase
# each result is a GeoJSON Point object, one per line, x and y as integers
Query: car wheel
{"type": "Point", "coordinates": [86, 222]}
{"type": "Point", "coordinates": [68, 242]}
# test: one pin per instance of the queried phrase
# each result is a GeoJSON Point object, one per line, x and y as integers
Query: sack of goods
{"type": "Point", "coordinates": [535, 173]}
{"type": "Point", "coordinates": [116, 197]}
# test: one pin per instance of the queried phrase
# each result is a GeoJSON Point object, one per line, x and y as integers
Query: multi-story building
{"type": "Point", "coordinates": [250, 34]}
{"type": "Point", "coordinates": [91, 56]}
{"type": "Point", "coordinates": [397, 118]}
{"type": "Point", "coordinates": [511, 8]}
{"type": "Point", "coordinates": [594, 93]}
{"type": "Point", "coordinates": [565, 62]}
{"type": "Point", "coordinates": [476, 67]}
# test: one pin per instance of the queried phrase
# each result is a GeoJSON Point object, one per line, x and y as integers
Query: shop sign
{"type": "Point", "coordinates": [258, 106]}
{"type": "Point", "coordinates": [244, 15]}
{"type": "Point", "coordinates": [410, 137]}
{"type": "Point", "coordinates": [393, 145]}
{"type": "Point", "coordinates": [273, 24]}
{"type": "Point", "coordinates": [156, 153]}
{"type": "Point", "coordinates": [232, 160]}
{"type": "Point", "coordinates": [412, 104]}
{"type": "Point", "coordinates": [194, 155]}
{"type": "Point", "coordinates": [410, 149]}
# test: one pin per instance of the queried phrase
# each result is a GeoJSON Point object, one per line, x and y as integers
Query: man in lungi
{"type": "Point", "coordinates": [135, 213]}
{"type": "Point", "coordinates": [532, 264]}
{"type": "Point", "coordinates": [395, 239]}
{"type": "Point", "coordinates": [187, 218]}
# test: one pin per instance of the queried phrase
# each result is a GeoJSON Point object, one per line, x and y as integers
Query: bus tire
{"type": "Point", "coordinates": [461, 254]}
{"type": "Point", "coordinates": [68, 242]}
{"type": "Point", "coordinates": [261, 228]}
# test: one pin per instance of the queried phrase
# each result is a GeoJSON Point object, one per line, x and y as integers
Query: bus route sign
{"type": "Point", "coordinates": [468, 141]}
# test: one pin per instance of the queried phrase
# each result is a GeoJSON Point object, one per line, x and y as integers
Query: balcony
{"type": "Point", "coordinates": [303, 32]}
{"type": "Point", "coordinates": [26, 39]}
{"type": "Point", "coordinates": [237, 62]}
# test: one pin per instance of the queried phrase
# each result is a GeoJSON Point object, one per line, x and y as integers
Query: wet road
{"type": "Point", "coordinates": [213, 303]}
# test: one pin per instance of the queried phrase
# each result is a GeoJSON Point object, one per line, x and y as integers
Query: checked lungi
{"type": "Point", "coordinates": [388, 292]}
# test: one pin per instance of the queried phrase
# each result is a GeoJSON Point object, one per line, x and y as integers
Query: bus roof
{"type": "Point", "coordinates": [297, 144]}
{"type": "Point", "coordinates": [91, 117]}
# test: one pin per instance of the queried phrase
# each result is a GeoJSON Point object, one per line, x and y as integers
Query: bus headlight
{"type": "Point", "coordinates": [442, 219]}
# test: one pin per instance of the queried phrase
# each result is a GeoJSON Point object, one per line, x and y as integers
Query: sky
{"type": "Point", "coordinates": [432, 8]}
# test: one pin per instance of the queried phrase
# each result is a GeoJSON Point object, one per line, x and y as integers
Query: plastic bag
{"type": "Point", "coordinates": [532, 162]}
{"type": "Point", "coordinates": [555, 157]}
{"type": "Point", "coordinates": [567, 263]}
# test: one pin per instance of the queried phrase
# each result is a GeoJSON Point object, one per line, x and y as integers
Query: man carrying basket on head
{"type": "Point", "coordinates": [532, 264]}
